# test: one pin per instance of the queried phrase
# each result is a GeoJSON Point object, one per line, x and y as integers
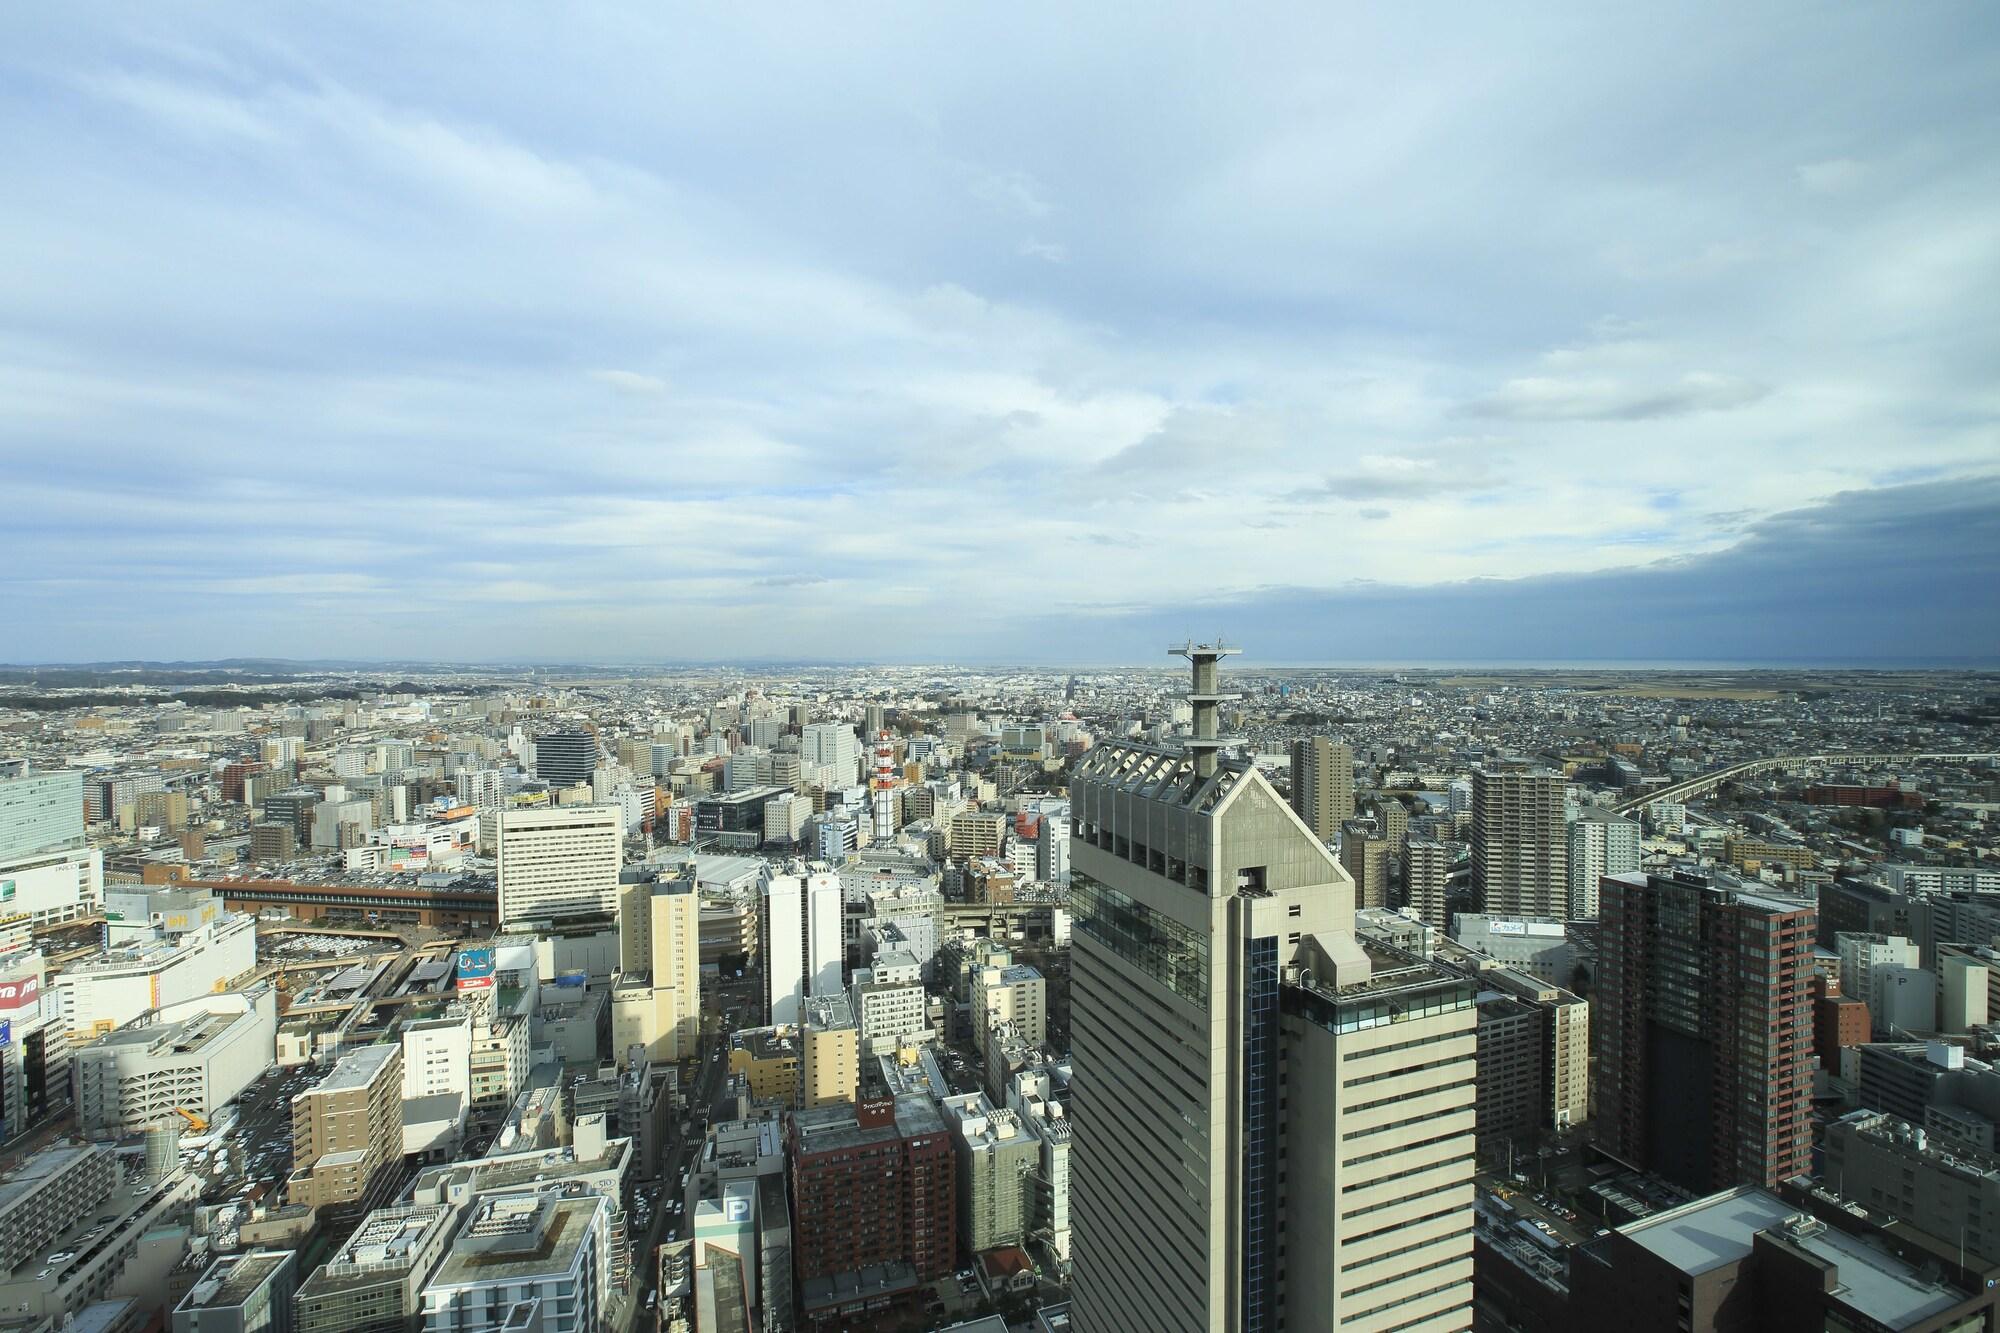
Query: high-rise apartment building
{"type": "Point", "coordinates": [559, 861]}
{"type": "Point", "coordinates": [1703, 1030]}
{"type": "Point", "coordinates": [1600, 844]}
{"type": "Point", "coordinates": [1520, 847]}
{"type": "Point", "coordinates": [565, 758]}
{"type": "Point", "coordinates": [656, 997]}
{"type": "Point", "coordinates": [347, 1135]}
{"type": "Point", "coordinates": [1274, 1122]}
{"type": "Point", "coordinates": [1426, 868]}
{"type": "Point", "coordinates": [872, 1184]}
{"type": "Point", "coordinates": [800, 941]}
{"type": "Point", "coordinates": [1322, 785]}
{"type": "Point", "coordinates": [1364, 855]}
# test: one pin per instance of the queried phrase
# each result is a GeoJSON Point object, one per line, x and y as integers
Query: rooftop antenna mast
{"type": "Point", "coordinates": [1205, 699]}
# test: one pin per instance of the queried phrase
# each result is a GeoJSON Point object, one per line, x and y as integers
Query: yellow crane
{"type": "Point", "coordinates": [195, 1122]}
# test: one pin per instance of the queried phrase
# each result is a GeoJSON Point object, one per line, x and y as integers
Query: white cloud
{"type": "Point", "coordinates": [294, 306]}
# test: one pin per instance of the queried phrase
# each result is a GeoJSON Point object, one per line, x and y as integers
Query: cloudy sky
{"type": "Point", "coordinates": [1397, 332]}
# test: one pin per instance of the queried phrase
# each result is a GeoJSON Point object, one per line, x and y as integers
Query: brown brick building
{"type": "Point", "coordinates": [1703, 1030]}
{"type": "Point", "coordinates": [874, 1202]}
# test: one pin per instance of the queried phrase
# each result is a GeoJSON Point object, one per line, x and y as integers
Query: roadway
{"type": "Point", "coordinates": [1708, 782]}
{"type": "Point", "coordinates": [703, 1079]}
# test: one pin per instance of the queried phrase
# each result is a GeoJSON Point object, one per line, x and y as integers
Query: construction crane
{"type": "Point", "coordinates": [195, 1122]}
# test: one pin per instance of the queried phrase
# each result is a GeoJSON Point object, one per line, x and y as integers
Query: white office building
{"type": "Point", "coordinates": [559, 861]}
{"type": "Point", "coordinates": [802, 944]}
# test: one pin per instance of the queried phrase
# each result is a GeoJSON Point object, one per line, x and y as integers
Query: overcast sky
{"type": "Point", "coordinates": [1400, 332]}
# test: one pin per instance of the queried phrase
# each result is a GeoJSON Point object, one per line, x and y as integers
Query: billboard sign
{"type": "Point", "coordinates": [6, 1032]}
{"type": "Point", "coordinates": [475, 969]}
{"type": "Point", "coordinates": [19, 994]}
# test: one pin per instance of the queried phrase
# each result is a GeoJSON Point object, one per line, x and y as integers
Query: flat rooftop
{"type": "Point", "coordinates": [232, 1280]}
{"type": "Point", "coordinates": [1721, 1229]}
{"type": "Point", "coordinates": [357, 1070]}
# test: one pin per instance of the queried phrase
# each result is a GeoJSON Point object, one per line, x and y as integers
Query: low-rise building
{"type": "Point", "coordinates": [530, 1261]}
{"type": "Point", "coordinates": [241, 1293]}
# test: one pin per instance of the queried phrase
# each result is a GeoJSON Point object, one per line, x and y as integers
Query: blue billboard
{"type": "Point", "coordinates": [475, 969]}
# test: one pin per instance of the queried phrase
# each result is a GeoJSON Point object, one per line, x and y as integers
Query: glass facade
{"type": "Point", "coordinates": [1366, 1010]}
{"type": "Point", "coordinates": [1158, 945]}
{"type": "Point", "coordinates": [40, 813]}
{"type": "Point", "coordinates": [1260, 1131]}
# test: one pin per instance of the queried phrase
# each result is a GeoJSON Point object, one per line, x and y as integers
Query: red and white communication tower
{"type": "Point", "coordinates": [882, 787]}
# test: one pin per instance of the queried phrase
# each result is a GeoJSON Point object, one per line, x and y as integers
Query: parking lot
{"type": "Point", "coordinates": [257, 1150]}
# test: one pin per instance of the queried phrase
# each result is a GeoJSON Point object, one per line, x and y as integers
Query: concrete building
{"type": "Point", "coordinates": [1564, 1022]}
{"type": "Point", "coordinates": [190, 1058]}
{"type": "Point", "coordinates": [35, 1078]}
{"type": "Point", "coordinates": [1364, 855]}
{"type": "Point", "coordinates": [48, 873]}
{"type": "Point", "coordinates": [1536, 945]}
{"type": "Point", "coordinates": [1703, 1030]}
{"type": "Point", "coordinates": [1004, 991]}
{"type": "Point", "coordinates": [347, 1135]}
{"type": "Point", "coordinates": [889, 1003]}
{"type": "Point", "coordinates": [829, 1053]}
{"type": "Point", "coordinates": [1213, 961]}
{"type": "Point", "coordinates": [1322, 785]}
{"type": "Point", "coordinates": [768, 1060]}
{"type": "Point", "coordinates": [1426, 867]}
{"type": "Point", "coordinates": [1964, 1003]}
{"type": "Point", "coordinates": [1880, 971]}
{"type": "Point", "coordinates": [113, 988]}
{"type": "Point", "coordinates": [1891, 1166]}
{"type": "Point", "coordinates": [1749, 1259]}
{"type": "Point", "coordinates": [241, 1293]}
{"type": "Point", "coordinates": [1512, 1071]}
{"type": "Point", "coordinates": [1600, 844]}
{"type": "Point", "coordinates": [656, 997]}
{"type": "Point", "coordinates": [1520, 846]}
{"type": "Point", "coordinates": [530, 1262]}
{"type": "Point", "coordinates": [803, 946]}
{"type": "Point", "coordinates": [1040, 1096]}
{"type": "Point", "coordinates": [874, 1191]}
{"type": "Point", "coordinates": [997, 1157]}
{"type": "Point", "coordinates": [557, 862]}
{"type": "Point", "coordinates": [46, 1195]}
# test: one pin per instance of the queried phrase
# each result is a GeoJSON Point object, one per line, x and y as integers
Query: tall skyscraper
{"type": "Point", "coordinates": [835, 745]}
{"type": "Point", "coordinates": [1703, 1030]}
{"type": "Point", "coordinates": [656, 997]}
{"type": "Point", "coordinates": [1520, 848]}
{"type": "Point", "coordinates": [47, 870]}
{"type": "Point", "coordinates": [565, 758]}
{"type": "Point", "coordinates": [1600, 844]}
{"type": "Point", "coordinates": [801, 941]}
{"type": "Point", "coordinates": [1215, 965]}
{"type": "Point", "coordinates": [1322, 785]}
{"type": "Point", "coordinates": [1364, 855]}
{"type": "Point", "coordinates": [1426, 864]}
{"type": "Point", "coordinates": [559, 861]}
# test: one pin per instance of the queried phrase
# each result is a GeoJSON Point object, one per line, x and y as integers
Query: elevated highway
{"type": "Point", "coordinates": [1689, 788]}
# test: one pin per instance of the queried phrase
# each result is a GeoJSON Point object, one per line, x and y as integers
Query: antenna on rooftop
{"type": "Point", "coordinates": [1205, 698]}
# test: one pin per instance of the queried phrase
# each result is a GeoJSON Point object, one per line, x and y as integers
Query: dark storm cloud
{"type": "Point", "coordinates": [1905, 572]}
